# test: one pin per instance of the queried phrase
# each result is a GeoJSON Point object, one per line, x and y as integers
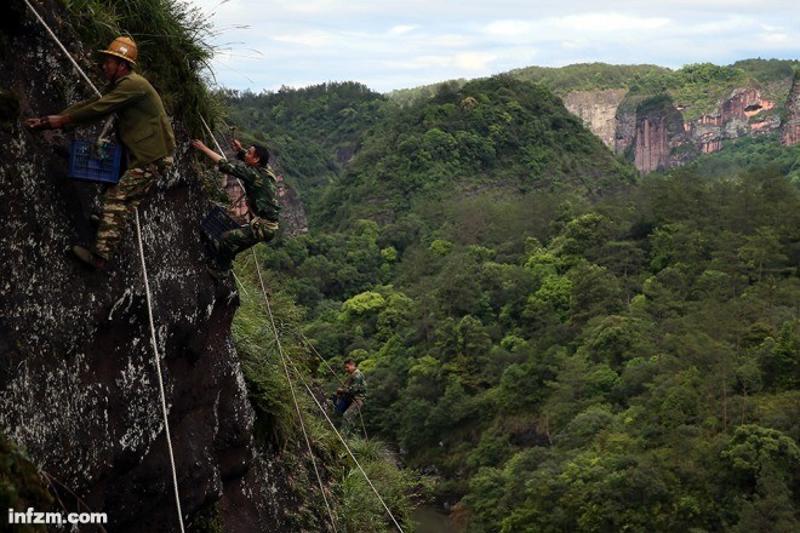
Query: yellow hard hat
{"type": "Point", "coordinates": [124, 48]}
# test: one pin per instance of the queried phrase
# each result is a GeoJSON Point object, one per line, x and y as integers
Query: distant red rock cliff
{"type": "Point", "coordinates": [790, 135]}
{"type": "Point", "coordinates": [653, 133]}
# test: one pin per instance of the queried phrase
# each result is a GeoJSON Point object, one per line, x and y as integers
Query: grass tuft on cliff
{"type": "Point", "coordinates": [21, 485]}
{"type": "Point", "coordinates": [174, 48]}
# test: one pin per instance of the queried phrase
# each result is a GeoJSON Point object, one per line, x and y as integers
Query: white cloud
{"type": "Point", "coordinates": [776, 38]}
{"type": "Point", "coordinates": [312, 38]}
{"type": "Point", "coordinates": [509, 28]}
{"type": "Point", "coordinates": [449, 40]}
{"type": "Point", "coordinates": [402, 29]}
{"type": "Point", "coordinates": [607, 22]}
{"type": "Point", "coordinates": [393, 43]}
{"type": "Point", "coordinates": [473, 61]}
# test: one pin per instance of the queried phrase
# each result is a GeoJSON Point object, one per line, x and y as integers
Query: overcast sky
{"type": "Point", "coordinates": [390, 44]}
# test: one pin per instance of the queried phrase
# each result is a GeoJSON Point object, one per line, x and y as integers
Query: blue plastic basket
{"type": "Point", "coordinates": [87, 162]}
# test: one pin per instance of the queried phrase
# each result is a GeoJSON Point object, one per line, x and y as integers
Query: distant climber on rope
{"type": "Point", "coordinates": [260, 186]}
{"type": "Point", "coordinates": [145, 131]}
{"type": "Point", "coordinates": [350, 397]}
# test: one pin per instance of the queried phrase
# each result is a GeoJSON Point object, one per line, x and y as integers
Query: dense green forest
{"type": "Point", "coordinates": [557, 343]}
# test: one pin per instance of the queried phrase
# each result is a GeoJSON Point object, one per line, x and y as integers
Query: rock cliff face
{"type": "Point", "coordinates": [78, 388]}
{"type": "Point", "coordinates": [293, 213]}
{"type": "Point", "coordinates": [661, 138]}
{"type": "Point", "coordinates": [790, 135]}
{"type": "Point", "coordinates": [659, 130]}
{"type": "Point", "coordinates": [598, 110]}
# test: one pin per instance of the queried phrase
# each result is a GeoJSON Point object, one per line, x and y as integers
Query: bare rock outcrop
{"type": "Point", "coordinates": [790, 135]}
{"type": "Point", "coordinates": [598, 110]}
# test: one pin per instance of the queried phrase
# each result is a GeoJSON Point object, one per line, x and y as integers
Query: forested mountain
{"type": "Point", "coordinates": [659, 118]}
{"type": "Point", "coordinates": [559, 344]}
{"type": "Point", "coordinates": [497, 134]}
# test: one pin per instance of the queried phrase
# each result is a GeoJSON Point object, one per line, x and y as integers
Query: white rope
{"type": "Point", "coordinates": [336, 376]}
{"type": "Point", "coordinates": [284, 358]}
{"type": "Point", "coordinates": [280, 351]}
{"type": "Point", "coordinates": [158, 367]}
{"type": "Point", "coordinates": [109, 122]}
{"type": "Point", "coordinates": [211, 134]}
{"type": "Point", "coordinates": [63, 49]}
{"type": "Point", "coordinates": [319, 355]}
{"type": "Point", "coordinates": [144, 275]}
{"type": "Point", "coordinates": [241, 285]}
{"type": "Point", "coordinates": [294, 395]}
{"type": "Point", "coordinates": [239, 201]}
{"type": "Point", "coordinates": [344, 443]}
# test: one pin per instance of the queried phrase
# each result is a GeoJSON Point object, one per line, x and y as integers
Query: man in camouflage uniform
{"type": "Point", "coordinates": [350, 398]}
{"type": "Point", "coordinates": [143, 128]}
{"type": "Point", "coordinates": [260, 186]}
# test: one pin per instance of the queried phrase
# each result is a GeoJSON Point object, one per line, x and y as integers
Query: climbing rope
{"type": "Point", "coordinates": [63, 48]}
{"type": "Point", "coordinates": [335, 375]}
{"type": "Point", "coordinates": [241, 285]}
{"type": "Point", "coordinates": [284, 359]}
{"type": "Point", "coordinates": [344, 443]}
{"type": "Point", "coordinates": [158, 366]}
{"type": "Point", "coordinates": [241, 200]}
{"type": "Point", "coordinates": [144, 275]}
{"type": "Point", "coordinates": [280, 351]}
{"type": "Point", "coordinates": [291, 387]}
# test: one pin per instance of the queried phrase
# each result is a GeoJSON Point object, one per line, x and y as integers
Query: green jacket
{"type": "Point", "coordinates": [260, 186]}
{"type": "Point", "coordinates": [143, 125]}
{"type": "Point", "coordinates": [356, 385]}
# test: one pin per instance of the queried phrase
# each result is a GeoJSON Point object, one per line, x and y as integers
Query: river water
{"type": "Point", "coordinates": [430, 519]}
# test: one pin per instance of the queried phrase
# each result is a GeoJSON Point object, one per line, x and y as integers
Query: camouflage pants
{"type": "Point", "coordinates": [351, 416]}
{"type": "Point", "coordinates": [119, 202]}
{"type": "Point", "coordinates": [236, 240]}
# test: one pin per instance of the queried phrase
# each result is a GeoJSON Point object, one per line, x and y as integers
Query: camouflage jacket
{"type": "Point", "coordinates": [260, 186]}
{"type": "Point", "coordinates": [356, 385]}
{"type": "Point", "coordinates": [143, 125]}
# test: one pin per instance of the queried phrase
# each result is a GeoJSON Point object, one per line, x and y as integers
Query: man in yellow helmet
{"type": "Point", "coordinates": [143, 128]}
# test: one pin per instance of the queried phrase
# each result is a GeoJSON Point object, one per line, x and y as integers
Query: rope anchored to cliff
{"type": "Point", "coordinates": [283, 360]}
{"type": "Point", "coordinates": [144, 276]}
{"type": "Point", "coordinates": [286, 362]}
